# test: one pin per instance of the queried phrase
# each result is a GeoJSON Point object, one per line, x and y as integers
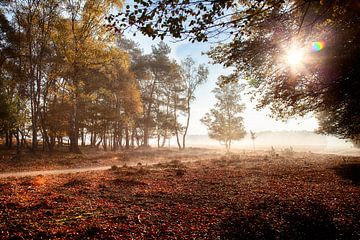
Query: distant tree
{"type": "Point", "coordinates": [139, 66]}
{"type": "Point", "coordinates": [162, 90]}
{"type": "Point", "coordinates": [258, 35]}
{"type": "Point", "coordinates": [253, 137]}
{"type": "Point", "coordinates": [158, 66]}
{"type": "Point", "coordinates": [224, 121]}
{"type": "Point", "coordinates": [173, 91]}
{"type": "Point", "coordinates": [193, 77]}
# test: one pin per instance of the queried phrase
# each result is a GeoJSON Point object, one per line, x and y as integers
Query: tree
{"type": "Point", "coordinates": [158, 66]}
{"type": "Point", "coordinates": [77, 38]}
{"type": "Point", "coordinates": [193, 77]}
{"type": "Point", "coordinates": [8, 51]}
{"type": "Point", "coordinates": [323, 81]}
{"type": "Point", "coordinates": [224, 122]}
{"type": "Point", "coordinates": [170, 104]}
{"type": "Point", "coordinates": [259, 34]}
{"type": "Point", "coordinates": [253, 137]}
{"type": "Point", "coordinates": [191, 19]}
{"type": "Point", "coordinates": [13, 85]}
{"type": "Point", "coordinates": [34, 21]}
{"type": "Point", "coordinates": [139, 66]}
{"type": "Point", "coordinates": [61, 75]}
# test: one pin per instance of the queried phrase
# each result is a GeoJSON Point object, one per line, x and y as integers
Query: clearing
{"type": "Point", "coordinates": [192, 194]}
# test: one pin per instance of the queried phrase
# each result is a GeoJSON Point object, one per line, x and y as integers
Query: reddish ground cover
{"type": "Point", "coordinates": [304, 196]}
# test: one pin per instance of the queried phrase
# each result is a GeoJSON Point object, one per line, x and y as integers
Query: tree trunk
{"type": "Point", "coordinates": [158, 140]}
{"type": "Point", "coordinates": [44, 133]}
{"type": "Point", "coordinates": [60, 141]}
{"type": "Point", "coordinates": [110, 142]}
{"type": "Point", "coordinates": [23, 140]}
{"type": "Point", "coordinates": [93, 143]}
{"type": "Point", "coordinates": [115, 139]}
{"type": "Point", "coordinates": [226, 145]}
{"type": "Point", "coordinates": [176, 125]}
{"type": "Point", "coordinates": [91, 138]}
{"type": "Point", "coordinates": [34, 143]}
{"type": "Point", "coordinates": [10, 140]}
{"type": "Point", "coordinates": [187, 123]}
{"type": "Point", "coordinates": [164, 140]}
{"type": "Point", "coordinates": [104, 141]}
{"type": "Point", "coordinates": [132, 137]}
{"type": "Point", "coordinates": [7, 139]}
{"type": "Point", "coordinates": [74, 129]}
{"type": "Point", "coordinates": [147, 117]}
{"type": "Point", "coordinates": [177, 138]}
{"type": "Point", "coordinates": [83, 137]}
{"type": "Point", "coordinates": [52, 143]}
{"type": "Point", "coordinates": [120, 140]}
{"type": "Point", "coordinates": [127, 138]}
{"type": "Point", "coordinates": [146, 135]}
{"type": "Point", "coordinates": [138, 140]}
{"type": "Point", "coordinates": [98, 144]}
{"type": "Point", "coordinates": [17, 141]}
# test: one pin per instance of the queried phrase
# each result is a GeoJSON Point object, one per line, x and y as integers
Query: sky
{"type": "Point", "coordinates": [253, 120]}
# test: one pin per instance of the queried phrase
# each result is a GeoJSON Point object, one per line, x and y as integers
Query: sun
{"type": "Point", "coordinates": [295, 56]}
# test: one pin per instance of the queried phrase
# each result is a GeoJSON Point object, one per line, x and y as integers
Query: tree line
{"type": "Point", "coordinates": [253, 37]}
{"type": "Point", "coordinates": [66, 80]}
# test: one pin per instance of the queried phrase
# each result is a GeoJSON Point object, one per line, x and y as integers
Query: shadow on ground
{"type": "Point", "coordinates": [315, 223]}
{"type": "Point", "coordinates": [349, 171]}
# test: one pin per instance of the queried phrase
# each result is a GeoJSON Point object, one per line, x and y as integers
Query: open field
{"type": "Point", "coordinates": [192, 194]}
{"type": "Point", "coordinates": [11, 162]}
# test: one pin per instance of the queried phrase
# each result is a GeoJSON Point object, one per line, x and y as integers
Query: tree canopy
{"type": "Point", "coordinates": [256, 38]}
{"type": "Point", "coordinates": [64, 78]}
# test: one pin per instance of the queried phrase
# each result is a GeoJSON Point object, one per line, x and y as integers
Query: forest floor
{"type": "Point", "coordinates": [192, 194]}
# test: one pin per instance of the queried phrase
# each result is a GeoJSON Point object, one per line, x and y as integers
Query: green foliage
{"type": "Point", "coordinates": [11, 115]}
{"type": "Point", "coordinates": [326, 82]}
{"type": "Point", "coordinates": [62, 73]}
{"type": "Point", "coordinates": [190, 19]}
{"type": "Point", "coordinates": [258, 34]}
{"type": "Point", "coordinates": [224, 122]}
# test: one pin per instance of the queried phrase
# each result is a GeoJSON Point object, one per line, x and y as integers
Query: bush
{"type": "Point", "coordinates": [114, 168]}
{"type": "Point", "coordinates": [288, 151]}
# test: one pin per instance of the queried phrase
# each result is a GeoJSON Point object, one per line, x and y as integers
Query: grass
{"type": "Point", "coordinates": [61, 159]}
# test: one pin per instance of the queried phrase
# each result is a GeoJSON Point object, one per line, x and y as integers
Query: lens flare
{"type": "Point", "coordinates": [317, 46]}
{"type": "Point", "coordinates": [295, 56]}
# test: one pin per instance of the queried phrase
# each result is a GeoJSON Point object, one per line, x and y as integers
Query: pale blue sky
{"type": "Point", "coordinates": [253, 120]}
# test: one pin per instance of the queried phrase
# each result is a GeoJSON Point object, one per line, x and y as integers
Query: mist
{"type": "Point", "coordinates": [302, 141]}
